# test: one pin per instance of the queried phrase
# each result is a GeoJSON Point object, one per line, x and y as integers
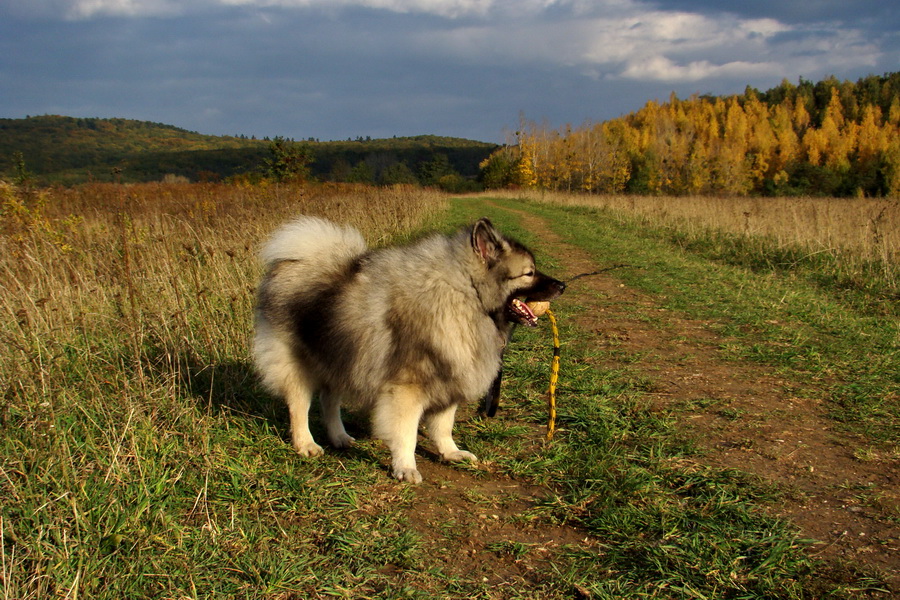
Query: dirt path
{"type": "Point", "coordinates": [746, 418]}
{"type": "Point", "coordinates": [743, 416]}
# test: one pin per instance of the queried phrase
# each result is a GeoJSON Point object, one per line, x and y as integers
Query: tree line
{"type": "Point", "coordinates": [831, 138]}
{"type": "Point", "coordinates": [450, 166]}
{"type": "Point", "coordinates": [66, 150]}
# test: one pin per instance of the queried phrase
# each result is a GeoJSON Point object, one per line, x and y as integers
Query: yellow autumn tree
{"type": "Point", "coordinates": [839, 134]}
{"type": "Point", "coordinates": [787, 149]}
{"type": "Point", "coordinates": [621, 144]}
{"type": "Point", "coordinates": [761, 140]}
{"type": "Point", "coordinates": [831, 137]}
{"type": "Point", "coordinates": [731, 175]}
{"type": "Point", "coordinates": [872, 138]}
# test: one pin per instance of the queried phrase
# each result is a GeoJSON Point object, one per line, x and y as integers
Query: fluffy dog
{"type": "Point", "coordinates": [407, 333]}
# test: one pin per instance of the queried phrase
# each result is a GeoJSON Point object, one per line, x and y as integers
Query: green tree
{"type": "Point", "coordinates": [288, 161]}
{"type": "Point", "coordinates": [497, 169]}
{"type": "Point", "coordinates": [397, 173]}
{"type": "Point", "coordinates": [432, 171]}
{"type": "Point", "coordinates": [361, 173]}
{"type": "Point", "coordinates": [22, 177]}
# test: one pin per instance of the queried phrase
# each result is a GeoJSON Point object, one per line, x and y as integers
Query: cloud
{"type": "Point", "coordinates": [339, 68]}
{"type": "Point", "coordinates": [451, 9]}
{"type": "Point", "coordinates": [608, 38]}
{"type": "Point", "coordinates": [87, 9]}
{"type": "Point", "coordinates": [443, 8]}
{"type": "Point", "coordinates": [649, 46]}
{"type": "Point", "coordinates": [660, 68]}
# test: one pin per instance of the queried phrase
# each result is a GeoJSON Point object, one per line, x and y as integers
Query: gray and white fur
{"type": "Point", "coordinates": [407, 333]}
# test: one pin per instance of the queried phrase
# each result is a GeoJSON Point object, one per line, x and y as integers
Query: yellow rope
{"type": "Point", "coordinates": [554, 376]}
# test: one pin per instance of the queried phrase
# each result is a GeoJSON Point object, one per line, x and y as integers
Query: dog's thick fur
{"type": "Point", "coordinates": [406, 332]}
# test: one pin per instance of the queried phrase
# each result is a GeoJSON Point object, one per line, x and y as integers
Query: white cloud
{"type": "Point", "coordinates": [654, 46]}
{"type": "Point", "coordinates": [649, 46]}
{"type": "Point", "coordinates": [84, 9]}
{"type": "Point", "coordinates": [87, 9]}
{"type": "Point", "coordinates": [660, 68]}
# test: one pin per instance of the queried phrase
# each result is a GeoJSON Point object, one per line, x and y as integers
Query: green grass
{"type": "Point", "coordinates": [845, 343]}
{"type": "Point", "coordinates": [623, 473]}
{"type": "Point", "coordinates": [142, 460]}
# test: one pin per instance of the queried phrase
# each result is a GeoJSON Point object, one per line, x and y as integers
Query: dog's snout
{"type": "Point", "coordinates": [556, 287]}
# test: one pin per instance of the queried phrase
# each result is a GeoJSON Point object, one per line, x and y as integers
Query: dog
{"type": "Point", "coordinates": [407, 333]}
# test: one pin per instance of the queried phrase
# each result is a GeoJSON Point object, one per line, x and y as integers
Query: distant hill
{"type": "Point", "coordinates": [68, 150]}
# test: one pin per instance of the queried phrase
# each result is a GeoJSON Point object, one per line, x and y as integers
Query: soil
{"type": "Point", "coordinates": [835, 489]}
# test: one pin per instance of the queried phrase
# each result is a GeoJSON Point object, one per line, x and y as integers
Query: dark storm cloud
{"type": "Point", "coordinates": [343, 68]}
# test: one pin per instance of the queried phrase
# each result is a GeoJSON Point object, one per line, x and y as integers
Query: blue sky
{"type": "Point", "coordinates": [333, 69]}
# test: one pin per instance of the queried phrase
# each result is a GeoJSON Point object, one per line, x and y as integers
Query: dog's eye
{"type": "Point", "coordinates": [525, 274]}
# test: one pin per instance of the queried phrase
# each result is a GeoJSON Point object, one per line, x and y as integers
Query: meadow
{"type": "Point", "coordinates": [126, 327]}
{"type": "Point", "coordinates": [862, 235]}
{"type": "Point", "coordinates": [139, 458]}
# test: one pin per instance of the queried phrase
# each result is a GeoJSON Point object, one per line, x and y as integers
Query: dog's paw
{"type": "Point", "coordinates": [460, 456]}
{"type": "Point", "coordinates": [309, 449]}
{"type": "Point", "coordinates": [407, 474]}
{"type": "Point", "coordinates": [342, 441]}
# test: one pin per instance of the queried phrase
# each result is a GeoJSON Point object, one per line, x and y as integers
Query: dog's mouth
{"type": "Point", "coordinates": [536, 301]}
{"type": "Point", "coordinates": [521, 313]}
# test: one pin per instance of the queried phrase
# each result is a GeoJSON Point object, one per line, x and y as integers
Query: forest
{"type": "Point", "coordinates": [831, 138]}
{"type": "Point", "coordinates": [54, 149]}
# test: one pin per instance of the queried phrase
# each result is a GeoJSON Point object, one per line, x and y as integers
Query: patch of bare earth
{"type": "Point", "coordinates": [744, 416]}
{"type": "Point", "coordinates": [479, 525]}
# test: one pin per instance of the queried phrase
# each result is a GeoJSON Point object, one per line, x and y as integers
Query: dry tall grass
{"type": "Point", "coordinates": [121, 308]}
{"type": "Point", "coordinates": [853, 229]}
{"type": "Point", "coordinates": [866, 227]}
{"type": "Point", "coordinates": [99, 280]}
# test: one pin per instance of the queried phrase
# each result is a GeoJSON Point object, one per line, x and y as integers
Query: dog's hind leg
{"type": "Point", "coordinates": [440, 430]}
{"type": "Point", "coordinates": [283, 375]}
{"type": "Point", "coordinates": [395, 419]}
{"type": "Point", "coordinates": [331, 415]}
{"type": "Point", "coordinates": [298, 394]}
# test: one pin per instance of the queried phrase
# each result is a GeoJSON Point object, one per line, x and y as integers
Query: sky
{"type": "Point", "coordinates": [338, 69]}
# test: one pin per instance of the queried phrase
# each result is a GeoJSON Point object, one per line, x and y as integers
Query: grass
{"type": "Point", "coordinates": [857, 234]}
{"type": "Point", "coordinates": [140, 459]}
{"type": "Point", "coordinates": [622, 473]}
{"type": "Point", "coordinates": [844, 343]}
{"type": "Point", "coordinates": [139, 456]}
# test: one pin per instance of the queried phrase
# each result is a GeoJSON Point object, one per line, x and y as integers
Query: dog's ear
{"type": "Point", "coordinates": [487, 241]}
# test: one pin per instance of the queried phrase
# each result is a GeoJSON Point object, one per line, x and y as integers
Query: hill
{"type": "Point", "coordinates": [68, 150]}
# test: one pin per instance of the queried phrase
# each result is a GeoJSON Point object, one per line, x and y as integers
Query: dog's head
{"type": "Point", "coordinates": [511, 278]}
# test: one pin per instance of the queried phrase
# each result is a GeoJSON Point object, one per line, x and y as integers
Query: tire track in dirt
{"type": "Point", "coordinates": [744, 416]}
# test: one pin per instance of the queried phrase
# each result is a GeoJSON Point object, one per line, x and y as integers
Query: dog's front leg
{"type": "Point", "coordinates": [395, 420]}
{"type": "Point", "coordinates": [440, 430]}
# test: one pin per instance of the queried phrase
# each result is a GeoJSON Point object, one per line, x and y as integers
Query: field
{"type": "Point", "coordinates": [728, 412]}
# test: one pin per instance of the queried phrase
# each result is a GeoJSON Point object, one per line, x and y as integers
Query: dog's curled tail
{"type": "Point", "coordinates": [313, 239]}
